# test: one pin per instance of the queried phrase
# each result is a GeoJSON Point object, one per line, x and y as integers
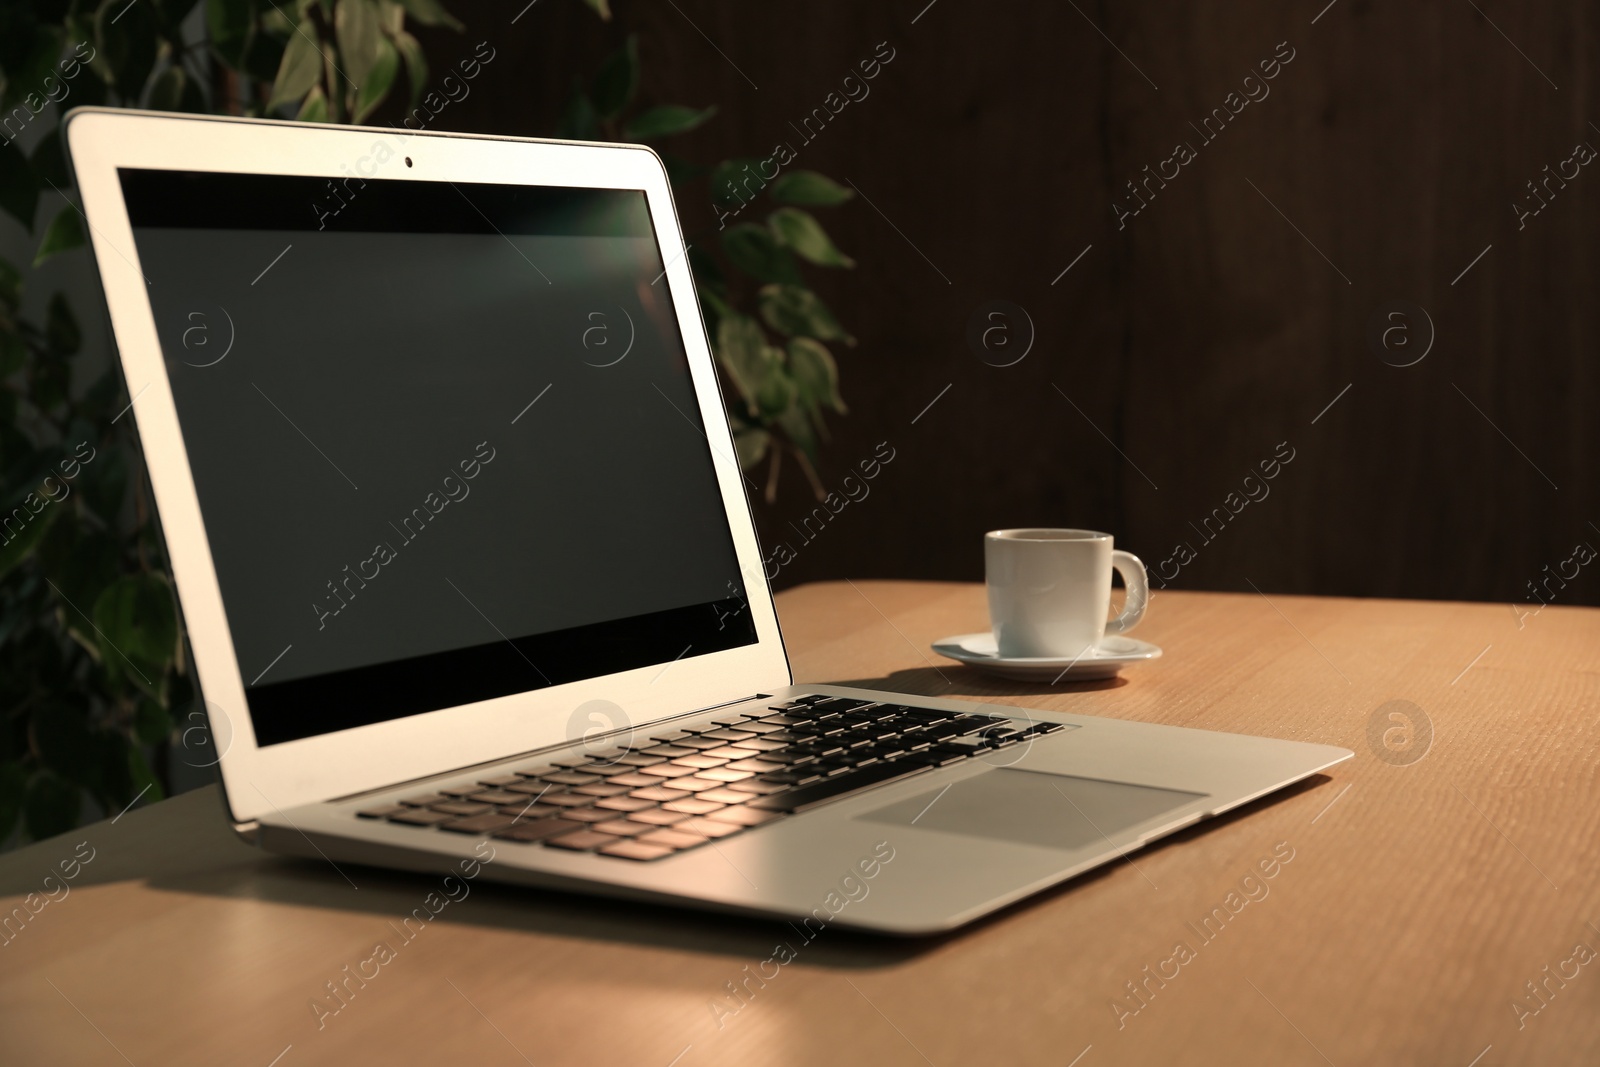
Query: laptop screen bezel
{"type": "Point", "coordinates": [258, 780]}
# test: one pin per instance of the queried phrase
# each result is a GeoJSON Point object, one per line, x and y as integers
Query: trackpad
{"type": "Point", "coordinates": [1034, 808]}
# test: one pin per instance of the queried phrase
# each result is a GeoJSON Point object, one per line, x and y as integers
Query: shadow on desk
{"type": "Point", "coordinates": [956, 681]}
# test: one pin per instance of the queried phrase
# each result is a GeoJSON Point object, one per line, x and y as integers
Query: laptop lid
{"type": "Point", "coordinates": [435, 437]}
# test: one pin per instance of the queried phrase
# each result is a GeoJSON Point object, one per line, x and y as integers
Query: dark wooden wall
{"type": "Point", "coordinates": [1187, 344]}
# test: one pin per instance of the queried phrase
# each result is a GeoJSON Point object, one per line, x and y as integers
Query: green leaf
{"type": "Point", "coordinates": [64, 234]}
{"type": "Point", "coordinates": [809, 188]}
{"type": "Point", "coordinates": [751, 445]}
{"type": "Point", "coordinates": [380, 79]}
{"type": "Point", "coordinates": [740, 350]}
{"type": "Point", "coordinates": [800, 231]}
{"type": "Point", "coordinates": [30, 54]}
{"type": "Point", "coordinates": [22, 544]}
{"type": "Point", "coordinates": [754, 251]}
{"type": "Point", "coordinates": [578, 118]}
{"type": "Point", "coordinates": [357, 27]}
{"type": "Point", "coordinates": [50, 807]}
{"type": "Point", "coordinates": [229, 23]}
{"type": "Point", "coordinates": [815, 373]}
{"type": "Point", "coordinates": [664, 120]}
{"type": "Point", "coordinates": [795, 311]}
{"type": "Point", "coordinates": [10, 284]}
{"type": "Point", "coordinates": [138, 627]}
{"type": "Point", "coordinates": [151, 722]}
{"type": "Point", "coordinates": [166, 92]}
{"type": "Point", "coordinates": [61, 328]}
{"type": "Point", "coordinates": [126, 45]}
{"type": "Point", "coordinates": [430, 13]}
{"type": "Point", "coordinates": [142, 780]}
{"type": "Point", "coordinates": [778, 391]}
{"type": "Point", "coordinates": [416, 64]}
{"type": "Point", "coordinates": [617, 80]}
{"type": "Point", "coordinates": [300, 70]}
{"type": "Point", "coordinates": [315, 106]}
{"type": "Point", "coordinates": [601, 8]}
{"type": "Point", "coordinates": [736, 181]}
{"type": "Point", "coordinates": [19, 186]}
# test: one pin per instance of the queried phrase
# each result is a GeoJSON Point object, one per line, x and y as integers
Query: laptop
{"type": "Point", "coordinates": [468, 567]}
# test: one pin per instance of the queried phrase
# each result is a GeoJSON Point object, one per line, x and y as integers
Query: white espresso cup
{"type": "Point", "coordinates": [1050, 590]}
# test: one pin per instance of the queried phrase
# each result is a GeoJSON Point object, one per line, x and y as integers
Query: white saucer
{"type": "Point", "coordinates": [1102, 661]}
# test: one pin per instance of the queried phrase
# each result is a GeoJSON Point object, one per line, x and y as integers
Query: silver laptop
{"type": "Point", "coordinates": [468, 568]}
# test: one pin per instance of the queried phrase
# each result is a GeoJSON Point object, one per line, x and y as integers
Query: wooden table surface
{"type": "Point", "coordinates": [1438, 904]}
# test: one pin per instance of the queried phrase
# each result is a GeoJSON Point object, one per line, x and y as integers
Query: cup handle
{"type": "Point", "coordinates": [1138, 585]}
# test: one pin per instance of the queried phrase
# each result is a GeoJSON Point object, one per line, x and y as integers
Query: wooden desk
{"type": "Point", "coordinates": [1420, 899]}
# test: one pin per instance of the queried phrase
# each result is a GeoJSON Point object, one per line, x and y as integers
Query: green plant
{"type": "Point", "coordinates": [95, 685]}
{"type": "Point", "coordinates": [777, 359]}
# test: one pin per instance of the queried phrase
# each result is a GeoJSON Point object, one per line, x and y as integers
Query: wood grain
{"type": "Point", "coordinates": [1419, 899]}
{"type": "Point", "coordinates": [1208, 329]}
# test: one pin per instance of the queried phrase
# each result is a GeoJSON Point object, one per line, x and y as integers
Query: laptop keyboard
{"type": "Point", "coordinates": [680, 789]}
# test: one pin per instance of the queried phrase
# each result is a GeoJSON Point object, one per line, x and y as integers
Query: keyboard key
{"type": "Point", "coordinates": [667, 751]}
{"type": "Point", "coordinates": [383, 812]}
{"type": "Point", "coordinates": [723, 774]}
{"type": "Point", "coordinates": [728, 735]}
{"type": "Point", "coordinates": [581, 841]}
{"type": "Point", "coordinates": [692, 806]}
{"type": "Point", "coordinates": [461, 807]}
{"type": "Point", "coordinates": [634, 850]}
{"type": "Point", "coordinates": [709, 827]}
{"type": "Point", "coordinates": [658, 817]}
{"type": "Point", "coordinates": [760, 727]}
{"type": "Point", "coordinates": [638, 759]}
{"type": "Point", "coordinates": [668, 770]}
{"type": "Point", "coordinates": [461, 790]}
{"type": "Point", "coordinates": [757, 786]}
{"type": "Point", "coordinates": [528, 811]}
{"type": "Point", "coordinates": [423, 800]}
{"type": "Point", "coordinates": [755, 766]}
{"type": "Point", "coordinates": [567, 800]}
{"type": "Point", "coordinates": [572, 778]}
{"type": "Point", "coordinates": [479, 824]}
{"type": "Point", "coordinates": [698, 742]}
{"type": "Point", "coordinates": [801, 777]}
{"type": "Point", "coordinates": [502, 781]}
{"type": "Point", "coordinates": [538, 830]}
{"type": "Point", "coordinates": [623, 828]}
{"type": "Point", "coordinates": [568, 763]}
{"type": "Point", "coordinates": [624, 804]}
{"type": "Point", "coordinates": [742, 815]}
{"type": "Point", "coordinates": [675, 839]}
{"type": "Point", "coordinates": [809, 796]}
{"type": "Point", "coordinates": [531, 787]}
{"type": "Point", "coordinates": [495, 796]}
{"type": "Point", "coordinates": [781, 720]}
{"type": "Point", "coordinates": [421, 817]}
{"type": "Point", "coordinates": [701, 762]}
{"type": "Point", "coordinates": [537, 771]}
{"type": "Point", "coordinates": [728, 752]}
{"type": "Point", "coordinates": [724, 796]}
{"type": "Point", "coordinates": [588, 815]}
{"type": "Point", "coordinates": [656, 793]}
{"type": "Point", "coordinates": [673, 738]}
{"type": "Point", "coordinates": [605, 790]}
{"type": "Point", "coordinates": [692, 784]}
{"type": "Point", "coordinates": [632, 781]}
{"type": "Point", "coordinates": [759, 744]}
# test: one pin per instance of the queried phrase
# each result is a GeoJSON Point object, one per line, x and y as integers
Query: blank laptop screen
{"type": "Point", "coordinates": [444, 438]}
